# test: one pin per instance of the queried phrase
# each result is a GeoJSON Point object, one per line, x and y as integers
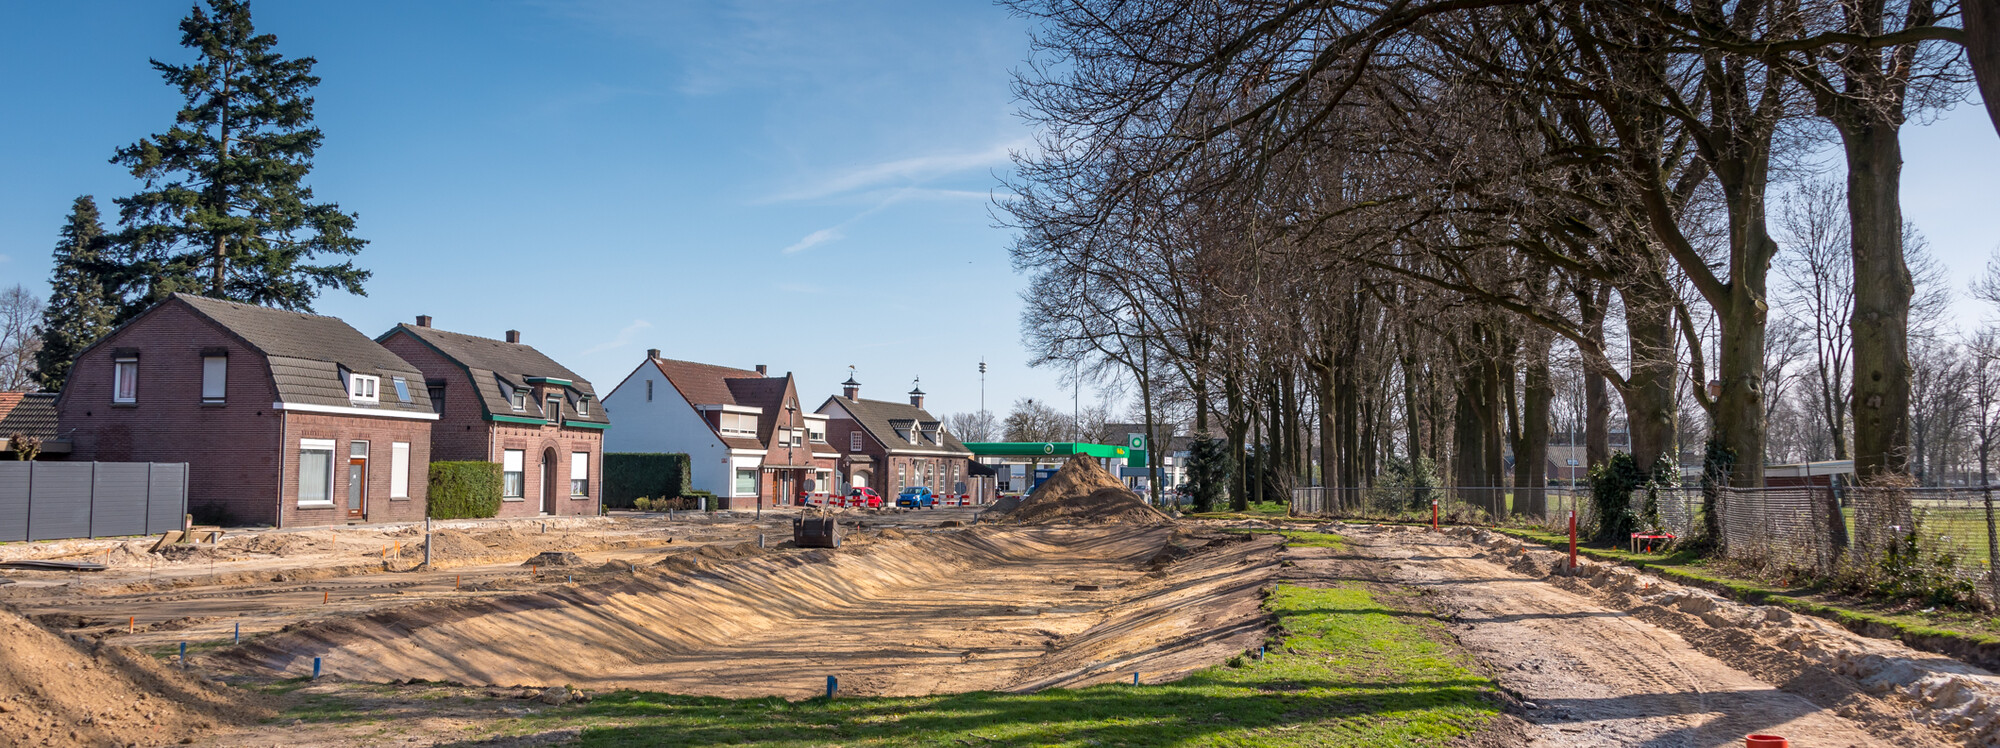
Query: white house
{"type": "Point", "coordinates": [746, 438]}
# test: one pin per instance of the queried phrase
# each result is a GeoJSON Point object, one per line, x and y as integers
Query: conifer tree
{"type": "Point", "coordinates": [225, 211]}
{"type": "Point", "coordinates": [81, 306]}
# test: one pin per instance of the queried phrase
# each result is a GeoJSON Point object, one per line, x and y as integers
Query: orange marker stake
{"type": "Point", "coordinates": [455, 583]}
{"type": "Point", "coordinates": [132, 626]}
{"type": "Point", "coordinates": [325, 597]}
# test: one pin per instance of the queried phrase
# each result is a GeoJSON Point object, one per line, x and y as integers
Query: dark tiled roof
{"type": "Point", "coordinates": [306, 351]}
{"type": "Point", "coordinates": [490, 363]}
{"type": "Point", "coordinates": [881, 419]}
{"type": "Point", "coordinates": [708, 384]}
{"type": "Point", "coordinates": [34, 414]}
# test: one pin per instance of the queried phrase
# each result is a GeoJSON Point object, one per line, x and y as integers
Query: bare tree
{"type": "Point", "coordinates": [977, 426]}
{"type": "Point", "coordinates": [19, 338]}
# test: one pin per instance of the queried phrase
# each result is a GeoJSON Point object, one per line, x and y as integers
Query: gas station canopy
{"type": "Point", "coordinates": [1046, 449]}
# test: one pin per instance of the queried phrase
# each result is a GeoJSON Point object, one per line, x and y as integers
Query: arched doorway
{"type": "Point", "coordinates": [861, 478]}
{"type": "Point", "coordinates": [548, 481]}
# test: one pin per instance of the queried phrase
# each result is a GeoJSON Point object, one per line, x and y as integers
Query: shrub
{"type": "Point", "coordinates": [464, 490]}
{"type": "Point", "coordinates": [1611, 485]}
{"type": "Point", "coordinates": [1208, 472]}
{"type": "Point", "coordinates": [631, 475]}
{"type": "Point", "coordinates": [695, 499]}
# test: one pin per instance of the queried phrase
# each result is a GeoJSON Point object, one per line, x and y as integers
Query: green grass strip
{"type": "Point", "coordinates": [1347, 670]}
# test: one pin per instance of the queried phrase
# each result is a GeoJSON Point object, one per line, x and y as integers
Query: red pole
{"type": "Point", "coordinates": [1572, 540]}
{"type": "Point", "coordinates": [1434, 515]}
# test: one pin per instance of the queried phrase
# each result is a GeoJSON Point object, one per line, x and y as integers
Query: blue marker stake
{"type": "Point", "coordinates": [184, 655]}
{"type": "Point", "coordinates": [239, 633]}
{"type": "Point", "coordinates": [315, 668]}
{"type": "Point", "coordinates": [832, 684]}
{"type": "Point", "coordinates": [1135, 679]}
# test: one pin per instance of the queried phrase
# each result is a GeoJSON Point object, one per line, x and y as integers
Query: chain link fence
{"type": "Point", "coordinates": [1797, 532]}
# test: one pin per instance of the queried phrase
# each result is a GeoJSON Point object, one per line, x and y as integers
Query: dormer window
{"type": "Point", "coordinates": [552, 408]}
{"type": "Point", "coordinates": [583, 406]}
{"type": "Point", "coordinates": [738, 424]}
{"type": "Point", "coordinates": [520, 399]}
{"type": "Point", "coordinates": [364, 389]}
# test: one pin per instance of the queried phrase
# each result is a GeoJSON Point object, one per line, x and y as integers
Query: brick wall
{"type": "Point", "coordinates": [231, 449]}
{"type": "Point", "coordinates": [462, 433]}
{"type": "Point", "coordinates": [343, 431]}
{"type": "Point", "coordinates": [538, 442]}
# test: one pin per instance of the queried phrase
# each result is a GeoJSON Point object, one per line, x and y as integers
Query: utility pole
{"type": "Point", "coordinates": [982, 385]}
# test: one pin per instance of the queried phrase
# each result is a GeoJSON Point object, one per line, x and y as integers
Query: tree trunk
{"type": "Point", "coordinates": [1982, 47]}
{"type": "Point", "coordinates": [1596, 387]}
{"type": "Point", "coordinates": [1651, 414]}
{"type": "Point", "coordinates": [1531, 453]}
{"type": "Point", "coordinates": [1882, 292]}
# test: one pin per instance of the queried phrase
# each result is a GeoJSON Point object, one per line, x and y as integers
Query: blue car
{"type": "Point", "coordinates": [916, 497]}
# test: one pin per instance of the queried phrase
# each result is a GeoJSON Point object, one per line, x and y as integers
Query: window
{"type": "Point", "coordinates": [125, 381]}
{"type": "Point", "coordinates": [361, 388]}
{"type": "Point", "coordinates": [902, 476]}
{"type": "Point", "coordinates": [316, 472]}
{"type": "Point", "coordinates": [582, 406]}
{"type": "Point", "coordinates": [520, 399]}
{"type": "Point", "coordinates": [214, 378]}
{"type": "Point", "coordinates": [739, 424]}
{"type": "Point", "coordinates": [437, 395]}
{"type": "Point", "coordinates": [402, 389]}
{"type": "Point", "coordinates": [511, 477]}
{"type": "Point", "coordinates": [552, 408]}
{"type": "Point", "coordinates": [399, 469]}
{"type": "Point", "coordinates": [799, 437]}
{"type": "Point", "coordinates": [649, 390]}
{"type": "Point", "coordinates": [853, 441]}
{"type": "Point", "coordinates": [746, 482]}
{"type": "Point", "coordinates": [818, 432]}
{"type": "Point", "coordinates": [579, 473]}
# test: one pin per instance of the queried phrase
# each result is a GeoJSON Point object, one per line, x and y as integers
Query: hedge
{"type": "Point", "coordinates": [464, 490]}
{"type": "Point", "coordinates": [630, 475]}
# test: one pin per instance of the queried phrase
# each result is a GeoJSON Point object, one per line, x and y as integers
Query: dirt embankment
{"type": "Point", "coordinates": [983, 608]}
{"type": "Point", "coordinates": [1637, 653]}
{"type": "Point", "coordinates": [1083, 492]}
{"type": "Point", "coordinates": [55, 691]}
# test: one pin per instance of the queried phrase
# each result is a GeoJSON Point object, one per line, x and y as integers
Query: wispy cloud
{"type": "Point", "coordinates": [816, 238]}
{"type": "Point", "coordinates": [909, 171]}
{"type": "Point", "coordinates": [624, 337]}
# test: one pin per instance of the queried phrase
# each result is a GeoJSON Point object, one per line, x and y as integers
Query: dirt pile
{"type": "Point", "coordinates": [57, 692]}
{"type": "Point", "coordinates": [1083, 492]}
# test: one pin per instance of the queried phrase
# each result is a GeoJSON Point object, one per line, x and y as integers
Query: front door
{"type": "Point", "coordinates": [548, 481]}
{"type": "Point", "coordinates": [357, 480]}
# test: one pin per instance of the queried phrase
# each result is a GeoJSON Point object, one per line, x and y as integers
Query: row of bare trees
{"type": "Point", "coordinates": [1364, 237]}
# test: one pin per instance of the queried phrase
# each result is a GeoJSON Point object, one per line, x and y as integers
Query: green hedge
{"type": "Point", "coordinates": [464, 490]}
{"type": "Point", "coordinates": [630, 475]}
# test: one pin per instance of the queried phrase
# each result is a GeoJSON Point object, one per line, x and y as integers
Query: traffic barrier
{"type": "Point", "coordinates": [1766, 741]}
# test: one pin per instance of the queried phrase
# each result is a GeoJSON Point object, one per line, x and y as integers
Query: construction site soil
{"type": "Point", "coordinates": [913, 604]}
{"type": "Point", "coordinates": [1082, 492]}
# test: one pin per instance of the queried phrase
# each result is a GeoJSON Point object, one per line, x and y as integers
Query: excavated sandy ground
{"type": "Point", "coordinates": [1612, 657]}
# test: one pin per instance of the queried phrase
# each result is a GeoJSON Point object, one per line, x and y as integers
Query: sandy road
{"type": "Point", "coordinates": [1596, 675]}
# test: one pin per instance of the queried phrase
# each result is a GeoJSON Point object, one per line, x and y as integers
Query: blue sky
{"type": "Point", "coordinates": [804, 185]}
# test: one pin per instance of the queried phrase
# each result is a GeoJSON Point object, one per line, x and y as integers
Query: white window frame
{"type": "Point", "coordinates": [736, 486]}
{"type": "Point", "coordinates": [317, 445]}
{"type": "Point", "coordinates": [402, 389]}
{"type": "Point", "coordinates": [517, 460]}
{"type": "Point", "coordinates": [582, 406]}
{"type": "Point", "coordinates": [399, 470]}
{"type": "Point", "coordinates": [125, 376]}
{"type": "Point", "coordinates": [364, 388]}
{"type": "Point", "coordinates": [519, 399]}
{"type": "Point", "coordinates": [817, 434]}
{"type": "Point", "coordinates": [732, 424]}
{"type": "Point", "coordinates": [854, 440]}
{"type": "Point", "coordinates": [552, 409]}
{"type": "Point", "coordinates": [214, 379]}
{"type": "Point", "coordinates": [579, 474]}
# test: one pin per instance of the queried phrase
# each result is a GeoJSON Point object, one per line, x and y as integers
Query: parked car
{"type": "Point", "coordinates": [864, 498]}
{"type": "Point", "coordinates": [916, 497]}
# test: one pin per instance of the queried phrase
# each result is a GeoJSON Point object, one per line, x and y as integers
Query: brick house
{"type": "Point", "coordinates": [505, 402]}
{"type": "Point", "coordinates": [746, 438]}
{"type": "Point", "coordinates": [888, 446]}
{"type": "Point", "coordinates": [284, 418]}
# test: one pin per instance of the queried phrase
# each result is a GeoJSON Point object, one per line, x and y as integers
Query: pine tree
{"type": "Point", "coordinates": [81, 306]}
{"type": "Point", "coordinates": [225, 212]}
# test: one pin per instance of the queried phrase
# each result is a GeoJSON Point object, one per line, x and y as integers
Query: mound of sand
{"type": "Point", "coordinates": [1084, 492]}
{"type": "Point", "coordinates": [57, 692]}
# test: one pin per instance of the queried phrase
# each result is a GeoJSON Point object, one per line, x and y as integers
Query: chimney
{"type": "Point", "coordinates": [513, 336]}
{"type": "Point", "coordinates": [423, 320]}
{"type": "Point", "coordinates": [763, 370]}
{"type": "Point", "coordinates": [652, 353]}
{"type": "Point", "coordinates": [916, 395]}
{"type": "Point", "coordinates": [850, 389]}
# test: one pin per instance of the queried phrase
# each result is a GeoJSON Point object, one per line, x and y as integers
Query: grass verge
{"type": "Point", "coordinates": [1348, 669]}
{"type": "Point", "coordinates": [1970, 637]}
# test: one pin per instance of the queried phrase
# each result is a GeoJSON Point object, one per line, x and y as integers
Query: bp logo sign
{"type": "Point", "coordinates": [1048, 448]}
{"type": "Point", "coordinates": [1137, 441]}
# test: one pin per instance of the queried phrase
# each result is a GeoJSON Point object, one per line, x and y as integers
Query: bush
{"type": "Point", "coordinates": [1208, 472]}
{"type": "Point", "coordinates": [464, 490]}
{"type": "Point", "coordinates": [1611, 487]}
{"type": "Point", "coordinates": [695, 499]}
{"type": "Point", "coordinates": [631, 475]}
